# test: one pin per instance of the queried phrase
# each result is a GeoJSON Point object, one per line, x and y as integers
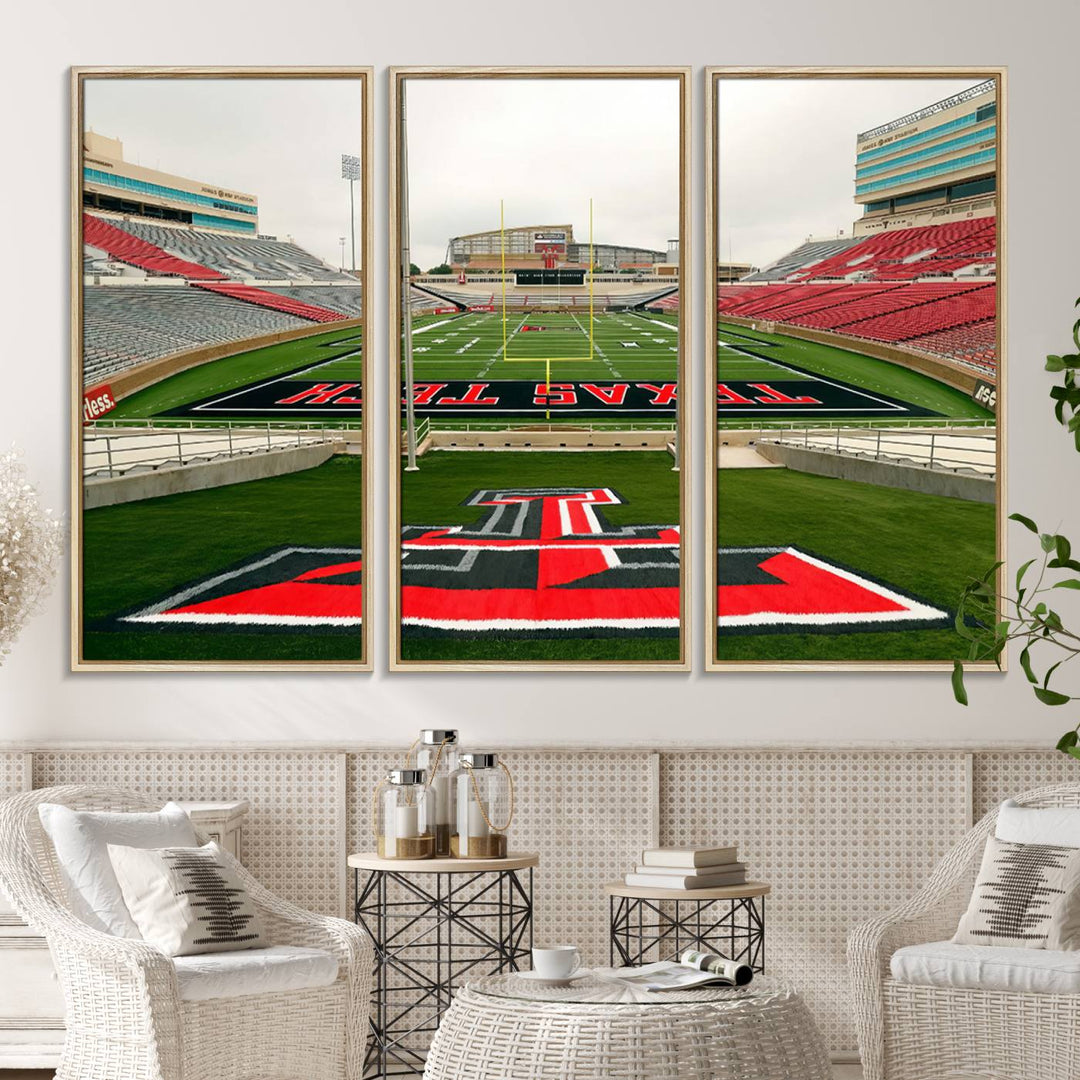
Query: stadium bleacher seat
{"type": "Point", "coordinates": [952, 318]}
{"type": "Point", "coordinates": [234, 256]}
{"type": "Point", "coordinates": [264, 298]}
{"type": "Point", "coordinates": [605, 297]}
{"type": "Point", "coordinates": [135, 251]}
{"type": "Point", "coordinates": [902, 254]}
{"type": "Point", "coordinates": [804, 257]}
{"type": "Point", "coordinates": [347, 300]}
{"type": "Point", "coordinates": [125, 326]}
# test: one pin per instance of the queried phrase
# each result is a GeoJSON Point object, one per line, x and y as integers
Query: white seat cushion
{"type": "Point", "coordinates": [253, 971]}
{"type": "Point", "coordinates": [988, 967]}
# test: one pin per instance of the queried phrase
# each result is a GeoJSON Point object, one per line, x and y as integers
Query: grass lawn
{"type": "Point", "coordinates": [138, 552]}
{"type": "Point", "coordinates": [434, 496]}
{"type": "Point", "coordinates": [923, 544]}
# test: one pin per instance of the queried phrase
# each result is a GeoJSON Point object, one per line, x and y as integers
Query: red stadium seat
{"type": "Point", "coordinates": [290, 306]}
{"type": "Point", "coordinates": [130, 249]}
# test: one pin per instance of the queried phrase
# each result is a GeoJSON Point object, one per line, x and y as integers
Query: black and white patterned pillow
{"type": "Point", "coordinates": [186, 900]}
{"type": "Point", "coordinates": [1026, 895]}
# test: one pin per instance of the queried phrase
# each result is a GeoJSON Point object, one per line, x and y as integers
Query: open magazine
{"type": "Point", "coordinates": [693, 969]}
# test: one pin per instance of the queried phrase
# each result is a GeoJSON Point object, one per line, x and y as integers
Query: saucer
{"type": "Point", "coordinates": [565, 980]}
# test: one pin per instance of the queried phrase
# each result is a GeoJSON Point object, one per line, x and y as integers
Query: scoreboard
{"type": "Point", "coordinates": [553, 240]}
{"type": "Point", "coordinates": [549, 277]}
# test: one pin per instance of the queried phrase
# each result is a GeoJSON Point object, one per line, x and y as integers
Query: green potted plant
{"type": "Point", "coordinates": [989, 620]}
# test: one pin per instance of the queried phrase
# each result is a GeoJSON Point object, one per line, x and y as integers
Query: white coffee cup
{"type": "Point", "coordinates": [556, 961]}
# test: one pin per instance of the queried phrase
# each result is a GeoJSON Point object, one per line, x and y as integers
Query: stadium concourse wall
{"type": "Point", "coordinates": [937, 367]}
{"type": "Point", "coordinates": [140, 377]}
{"type": "Point", "coordinates": [199, 476]}
{"type": "Point", "coordinates": [880, 473]}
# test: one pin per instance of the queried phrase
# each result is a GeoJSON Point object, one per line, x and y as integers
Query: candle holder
{"type": "Point", "coordinates": [404, 815]}
{"type": "Point", "coordinates": [437, 753]}
{"type": "Point", "coordinates": [484, 792]}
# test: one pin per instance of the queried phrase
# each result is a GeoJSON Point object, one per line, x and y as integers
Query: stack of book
{"type": "Point", "coordinates": [695, 867]}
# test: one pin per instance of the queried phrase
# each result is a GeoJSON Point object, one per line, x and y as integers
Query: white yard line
{"type": "Point", "coordinates": [498, 352]}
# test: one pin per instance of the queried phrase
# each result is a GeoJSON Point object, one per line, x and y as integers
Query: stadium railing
{"type": "Point", "coordinates": [742, 424]}
{"type": "Point", "coordinates": [117, 452]}
{"type": "Point", "coordinates": [945, 451]}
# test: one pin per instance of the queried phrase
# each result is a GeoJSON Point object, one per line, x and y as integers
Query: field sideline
{"type": "Point", "coordinates": [736, 360]}
{"type": "Point", "coordinates": [333, 354]}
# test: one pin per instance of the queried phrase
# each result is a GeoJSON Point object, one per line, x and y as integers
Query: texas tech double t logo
{"type": "Point", "coordinates": [541, 562]}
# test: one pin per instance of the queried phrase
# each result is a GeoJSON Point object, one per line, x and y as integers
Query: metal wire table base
{"type": "Point", "coordinates": [645, 930]}
{"type": "Point", "coordinates": [428, 938]}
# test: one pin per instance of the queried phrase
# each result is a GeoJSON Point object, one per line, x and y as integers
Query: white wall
{"type": "Point", "coordinates": [41, 700]}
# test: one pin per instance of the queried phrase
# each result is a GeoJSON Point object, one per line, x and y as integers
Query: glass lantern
{"type": "Point", "coordinates": [437, 754]}
{"type": "Point", "coordinates": [405, 816]}
{"type": "Point", "coordinates": [485, 807]}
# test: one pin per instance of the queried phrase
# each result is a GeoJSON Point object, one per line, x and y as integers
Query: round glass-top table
{"type": "Point", "coordinates": [591, 1028]}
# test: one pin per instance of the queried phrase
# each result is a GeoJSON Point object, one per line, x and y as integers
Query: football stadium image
{"type": "Point", "coordinates": [222, 365]}
{"type": "Point", "coordinates": [856, 440]}
{"type": "Point", "coordinates": [540, 492]}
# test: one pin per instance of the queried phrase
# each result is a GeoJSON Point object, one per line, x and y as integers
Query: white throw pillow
{"type": "Point", "coordinates": [1057, 825]}
{"type": "Point", "coordinates": [80, 839]}
{"type": "Point", "coordinates": [187, 900]}
{"type": "Point", "coordinates": [1025, 896]}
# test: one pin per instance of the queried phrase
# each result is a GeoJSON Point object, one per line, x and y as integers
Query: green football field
{"type": "Point", "coordinates": [434, 496]}
{"type": "Point", "coordinates": [739, 359]}
{"type": "Point", "coordinates": [332, 355]}
{"type": "Point", "coordinates": [612, 345]}
{"type": "Point", "coordinates": [136, 553]}
{"type": "Point", "coordinates": [922, 544]}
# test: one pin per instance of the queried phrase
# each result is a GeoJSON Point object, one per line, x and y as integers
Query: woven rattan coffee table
{"type": "Point", "coordinates": [593, 1029]}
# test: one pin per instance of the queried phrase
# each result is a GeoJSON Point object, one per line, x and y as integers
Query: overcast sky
{"type": "Point", "coordinates": [278, 139]}
{"type": "Point", "coordinates": [544, 146]}
{"type": "Point", "coordinates": [787, 155]}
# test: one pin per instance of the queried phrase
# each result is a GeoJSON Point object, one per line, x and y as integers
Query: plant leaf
{"type": "Point", "coordinates": [1025, 521]}
{"type": "Point", "coordinates": [1051, 697]}
{"type": "Point", "coordinates": [1068, 583]}
{"type": "Point", "coordinates": [1025, 663]}
{"type": "Point", "coordinates": [959, 692]}
{"type": "Point", "coordinates": [1070, 738]}
{"type": "Point", "coordinates": [1022, 571]}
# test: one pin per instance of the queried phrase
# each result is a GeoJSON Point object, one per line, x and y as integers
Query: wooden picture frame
{"type": "Point", "coordinates": [714, 77]}
{"type": "Point", "coordinates": [254, 656]}
{"type": "Point", "coordinates": [399, 76]}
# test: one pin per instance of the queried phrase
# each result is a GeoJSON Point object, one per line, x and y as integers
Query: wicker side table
{"type": "Point", "coordinates": [503, 1026]}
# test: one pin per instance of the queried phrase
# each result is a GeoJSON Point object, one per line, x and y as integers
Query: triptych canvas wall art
{"type": "Point", "coordinates": [538, 387]}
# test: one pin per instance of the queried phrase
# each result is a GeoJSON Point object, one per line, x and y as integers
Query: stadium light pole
{"type": "Point", "coordinates": [350, 170]}
{"type": "Point", "coordinates": [406, 307]}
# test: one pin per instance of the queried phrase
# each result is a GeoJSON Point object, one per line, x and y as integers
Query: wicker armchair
{"type": "Point", "coordinates": [125, 1019]}
{"type": "Point", "coordinates": [911, 1032]}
